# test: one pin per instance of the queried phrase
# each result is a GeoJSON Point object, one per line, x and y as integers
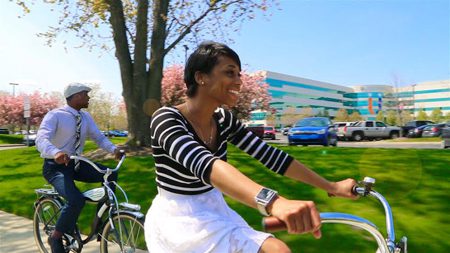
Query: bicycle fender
{"type": "Point", "coordinates": [138, 215]}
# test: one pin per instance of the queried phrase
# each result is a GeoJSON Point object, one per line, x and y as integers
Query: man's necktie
{"type": "Point", "coordinates": [77, 141]}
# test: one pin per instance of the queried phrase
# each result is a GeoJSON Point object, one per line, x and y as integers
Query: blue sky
{"type": "Point", "coordinates": [345, 42]}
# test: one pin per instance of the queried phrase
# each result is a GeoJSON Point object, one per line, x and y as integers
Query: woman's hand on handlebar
{"type": "Point", "coordinates": [299, 216]}
{"type": "Point", "coordinates": [343, 189]}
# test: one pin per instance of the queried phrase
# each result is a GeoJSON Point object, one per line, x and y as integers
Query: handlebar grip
{"type": "Point", "coordinates": [273, 224]}
{"type": "Point", "coordinates": [354, 191]}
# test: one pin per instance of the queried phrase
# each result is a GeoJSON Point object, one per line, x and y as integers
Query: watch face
{"type": "Point", "coordinates": [265, 194]}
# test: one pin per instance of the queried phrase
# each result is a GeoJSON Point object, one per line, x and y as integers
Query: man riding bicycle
{"type": "Point", "coordinates": [62, 133]}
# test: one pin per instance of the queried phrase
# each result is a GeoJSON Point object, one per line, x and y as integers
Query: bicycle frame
{"type": "Point", "coordinates": [113, 205]}
{"type": "Point", "coordinates": [104, 197]}
{"type": "Point", "coordinates": [385, 245]}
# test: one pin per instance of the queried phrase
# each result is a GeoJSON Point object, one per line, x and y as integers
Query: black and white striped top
{"type": "Point", "coordinates": [183, 162]}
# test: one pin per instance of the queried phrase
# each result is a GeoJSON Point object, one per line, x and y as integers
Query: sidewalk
{"type": "Point", "coordinates": [16, 235]}
{"type": "Point", "coordinates": [13, 145]}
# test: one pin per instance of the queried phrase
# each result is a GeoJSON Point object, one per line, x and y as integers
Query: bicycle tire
{"type": "Point", "coordinates": [127, 228]}
{"type": "Point", "coordinates": [46, 214]}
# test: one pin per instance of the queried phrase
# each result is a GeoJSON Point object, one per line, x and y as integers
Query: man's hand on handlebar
{"type": "Point", "coordinates": [299, 216]}
{"type": "Point", "coordinates": [118, 153]}
{"type": "Point", "coordinates": [62, 158]}
{"type": "Point", "coordinates": [343, 189]}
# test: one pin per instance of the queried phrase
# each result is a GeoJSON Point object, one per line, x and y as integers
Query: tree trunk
{"type": "Point", "coordinates": [141, 88]}
{"type": "Point", "coordinates": [156, 63]}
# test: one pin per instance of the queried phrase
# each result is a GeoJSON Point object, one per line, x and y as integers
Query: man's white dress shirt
{"type": "Point", "coordinates": [58, 133]}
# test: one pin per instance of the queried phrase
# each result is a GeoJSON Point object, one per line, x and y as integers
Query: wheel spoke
{"type": "Point", "coordinates": [126, 236]}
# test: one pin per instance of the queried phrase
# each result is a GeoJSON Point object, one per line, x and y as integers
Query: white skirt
{"type": "Point", "coordinates": [198, 223]}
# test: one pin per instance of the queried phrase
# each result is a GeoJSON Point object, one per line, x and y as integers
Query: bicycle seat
{"type": "Point", "coordinates": [94, 195]}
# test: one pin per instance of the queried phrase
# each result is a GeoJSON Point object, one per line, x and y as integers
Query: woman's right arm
{"type": "Point", "coordinates": [299, 216]}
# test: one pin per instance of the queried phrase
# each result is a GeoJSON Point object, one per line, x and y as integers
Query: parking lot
{"type": "Point", "coordinates": [282, 139]}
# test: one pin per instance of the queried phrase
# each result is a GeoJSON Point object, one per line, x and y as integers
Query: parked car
{"type": "Point", "coordinates": [341, 125]}
{"type": "Point", "coordinates": [257, 130]}
{"type": "Point", "coordinates": [285, 130]}
{"type": "Point", "coordinates": [29, 139]}
{"type": "Point", "coordinates": [414, 124]}
{"type": "Point", "coordinates": [416, 132]}
{"type": "Point", "coordinates": [369, 130]}
{"type": "Point", "coordinates": [117, 133]}
{"type": "Point", "coordinates": [314, 130]}
{"type": "Point", "coordinates": [269, 132]}
{"type": "Point", "coordinates": [433, 130]}
{"type": "Point", "coordinates": [446, 136]}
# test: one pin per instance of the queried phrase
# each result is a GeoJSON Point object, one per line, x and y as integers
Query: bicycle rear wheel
{"type": "Point", "coordinates": [45, 216]}
{"type": "Point", "coordinates": [126, 234]}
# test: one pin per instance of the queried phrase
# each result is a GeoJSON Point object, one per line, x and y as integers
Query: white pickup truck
{"type": "Point", "coordinates": [368, 130]}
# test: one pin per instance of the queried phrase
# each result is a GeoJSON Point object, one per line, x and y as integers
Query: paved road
{"type": "Point", "coordinates": [16, 235]}
{"type": "Point", "coordinates": [282, 139]}
{"type": "Point", "coordinates": [11, 146]}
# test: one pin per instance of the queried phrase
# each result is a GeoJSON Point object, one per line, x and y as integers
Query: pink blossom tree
{"type": "Point", "coordinates": [253, 94]}
{"type": "Point", "coordinates": [173, 86]}
{"type": "Point", "coordinates": [11, 108]}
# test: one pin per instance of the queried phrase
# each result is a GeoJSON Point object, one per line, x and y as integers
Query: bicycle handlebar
{"type": "Point", "coordinates": [273, 224]}
{"type": "Point", "coordinates": [82, 158]}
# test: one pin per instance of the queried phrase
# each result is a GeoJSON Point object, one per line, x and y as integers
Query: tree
{"type": "Point", "coordinates": [11, 108]}
{"type": "Point", "coordinates": [252, 96]}
{"type": "Point", "coordinates": [355, 116]}
{"type": "Point", "coordinates": [391, 117]}
{"type": "Point", "coordinates": [289, 116]}
{"type": "Point", "coordinates": [422, 115]}
{"type": "Point", "coordinates": [142, 40]}
{"type": "Point", "coordinates": [405, 117]}
{"type": "Point", "coordinates": [173, 86]}
{"type": "Point", "coordinates": [447, 116]}
{"type": "Point", "coordinates": [305, 112]}
{"type": "Point", "coordinates": [436, 115]}
{"type": "Point", "coordinates": [341, 115]}
{"type": "Point", "coordinates": [107, 110]}
{"type": "Point", "coordinates": [119, 118]}
{"type": "Point", "coordinates": [380, 116]}
{"type": "Point", "coordinates": [271, 118]}
{"type": "Point", "coordinates": [101, 106]}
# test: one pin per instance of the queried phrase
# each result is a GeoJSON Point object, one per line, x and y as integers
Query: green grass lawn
{"type": "Point", "coordinates": [415, 182]}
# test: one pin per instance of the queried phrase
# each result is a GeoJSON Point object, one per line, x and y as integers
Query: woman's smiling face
{"type": "Point", "coordinates": [224, 82]}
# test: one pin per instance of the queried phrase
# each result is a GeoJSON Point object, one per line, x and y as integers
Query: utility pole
{"type": "Point", "coordinates": [14, 88]}
{"type": "Point", "coordinates": [186, 48]}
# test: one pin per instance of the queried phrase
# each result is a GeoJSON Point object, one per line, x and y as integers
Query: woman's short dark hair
{"type": "Point", "coordinates": [204, 59]}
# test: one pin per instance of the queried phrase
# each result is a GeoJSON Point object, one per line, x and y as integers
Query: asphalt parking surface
{"type": "Point", "coordinates": [282, 139]}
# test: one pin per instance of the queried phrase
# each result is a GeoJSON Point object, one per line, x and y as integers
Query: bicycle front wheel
{"type": "Point", "coordinates": [45, 216]}
{"type": "Point", "coordinates": [126, 234]}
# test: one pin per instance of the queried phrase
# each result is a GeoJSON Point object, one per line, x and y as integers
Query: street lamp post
{"type": "Point", "coordinates": [14, 88]}
{"type": "Point", "coordinates": [186, 48]}
{"type": "Point", "coordinates": [414, 100]}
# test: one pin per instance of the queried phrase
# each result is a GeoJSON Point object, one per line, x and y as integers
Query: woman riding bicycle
{"type": "Point", "coordinates": [189, 143]}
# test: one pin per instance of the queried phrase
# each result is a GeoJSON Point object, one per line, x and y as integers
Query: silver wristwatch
{"type": "Point", "coordinates": [264, 198]}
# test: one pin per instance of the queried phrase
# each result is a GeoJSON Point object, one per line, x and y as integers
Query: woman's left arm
{"type": "Point", "coordinates": [300, 172]}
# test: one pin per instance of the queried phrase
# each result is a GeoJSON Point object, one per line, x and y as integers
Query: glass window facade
{"type": "Point", "coordinates": [295, 92]}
